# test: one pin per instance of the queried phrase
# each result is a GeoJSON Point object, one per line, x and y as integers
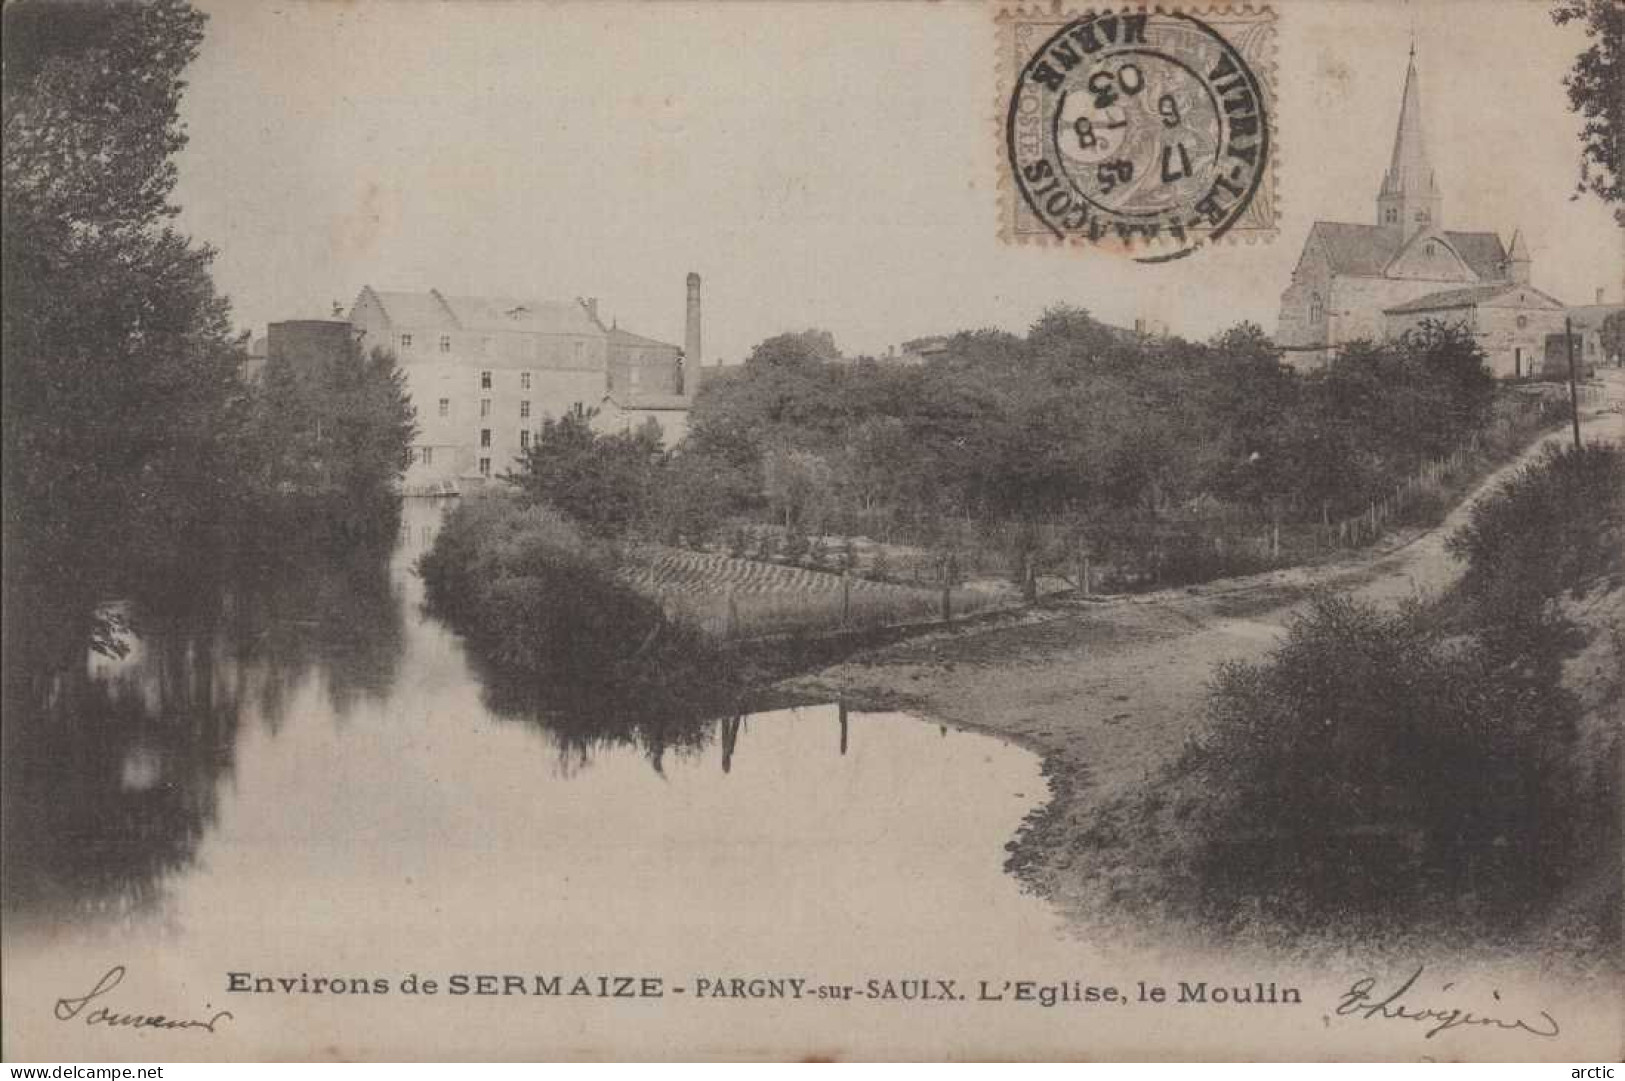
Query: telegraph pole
{"type": "Point", "coordinates": [1574, 390]}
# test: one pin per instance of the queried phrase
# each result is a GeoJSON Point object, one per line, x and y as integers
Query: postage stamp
{"type": "Point", "coordinates": [1144, 132]}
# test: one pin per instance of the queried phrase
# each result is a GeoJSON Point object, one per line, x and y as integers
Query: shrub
{"type": "Point", "coordinates": [1547, 531]}
{"type": "Point", "coordinates": [538, 597]}
{"type": "Point", "coordinates": [1369, 759]}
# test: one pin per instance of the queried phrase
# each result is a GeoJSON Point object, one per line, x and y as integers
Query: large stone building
{"type": "Point", "coordinates": [486, 372]}
{"type": "Point", "coordinates": [1375, 281]}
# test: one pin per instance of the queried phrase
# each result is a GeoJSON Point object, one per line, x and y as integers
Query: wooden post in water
{"type": "Point", "coordinates": [842, 707]}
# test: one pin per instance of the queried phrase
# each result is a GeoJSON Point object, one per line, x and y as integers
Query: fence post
{"type": "Point", "coordinates": [947, 610]}
{"type": "Point", "coordinates": [1029, 583]}
{"type": "Point", "coordinates": [1085, 582]}
{"type": "Point", "coordinates": [846, 597]}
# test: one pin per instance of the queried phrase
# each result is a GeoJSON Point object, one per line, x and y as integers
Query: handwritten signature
{"type": "Point", "coordinates": [1361, 1000]}
{"type": "Point", "coordinates": [67, 1009]}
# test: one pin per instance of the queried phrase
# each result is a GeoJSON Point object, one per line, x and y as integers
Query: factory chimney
{"type": "Point", "coordinates": [691, 338]}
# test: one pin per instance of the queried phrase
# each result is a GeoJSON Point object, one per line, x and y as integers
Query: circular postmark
{"type": "Point", "coordinates": [1141, 131]}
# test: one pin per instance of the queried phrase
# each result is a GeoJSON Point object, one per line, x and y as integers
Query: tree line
{"type": "Point", "coordinates": [132, 440]}
{"type": "Point", "coordinates": [1105, 436]}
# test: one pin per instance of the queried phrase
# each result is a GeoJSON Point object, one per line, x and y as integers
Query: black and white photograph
{"type": "Point", "coordinates": [813, 530]}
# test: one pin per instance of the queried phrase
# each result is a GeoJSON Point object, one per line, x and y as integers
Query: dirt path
{"type": "Point", "coordinates": [1109, 691]}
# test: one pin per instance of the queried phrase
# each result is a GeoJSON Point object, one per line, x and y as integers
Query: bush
{"type": "Point", "coordinates": [1551, 528]}
{"type": "Point", "coordinates": [538, 597]}
{"type": "Point", "coordinates": [1371, 760]}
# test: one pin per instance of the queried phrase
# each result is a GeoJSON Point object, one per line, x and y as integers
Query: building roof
{"type": "Point", "coordinates": [626, 399]}
{"type": "Point", "coordinates": [518, 314]}
{"type": "Point", "coordinates": [416, 310]}
{"type": "Point", "coordinates": [1464, 298]}
{"type": "Point", "coordinates": [1590, 316]}
{"type": "Point", "coordinates": [434, 310]}
{"type": "Point", "coordinates": [1364, 251]}
{"type": "Point", "coordinates": [617, 336]}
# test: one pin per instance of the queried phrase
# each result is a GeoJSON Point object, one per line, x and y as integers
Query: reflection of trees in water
{"type": "Point", "coordinates": [581, 720]}
{"type": "Point", "coordinates": [112, 772]}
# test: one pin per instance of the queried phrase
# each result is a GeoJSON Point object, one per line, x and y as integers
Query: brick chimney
{"type": "Point", "coordinates": [691, 335]}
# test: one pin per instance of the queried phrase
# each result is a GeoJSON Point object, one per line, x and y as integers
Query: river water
{"type": "Point", "coordinates": [305, 785]}
{"type": "Point", "coordinates": [313, 777]}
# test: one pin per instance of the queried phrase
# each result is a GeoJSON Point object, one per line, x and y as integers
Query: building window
{"type": "Point", "coordinates": [1317, 308]}
{"type": "Point", "coordinates": [1390, 216]}
{"type": "Point", "coordinates": [406, 341]}
{"type": "Point", "coordinates": [445, 407]}
{"type": "Point", "coordinates": [524, 410]}
{"type": "Point", "coordinates": [1523, 321]}
{"type": "Point", "coordinates": [428, 456]}
{"type": "Point", "coordinates": [485, 467]}
{"type": "Point", "coordinates": [445, 343]}
{"type": "Point", "coordinates": [485, 407]}
{"type": "Point", "coordinates": [485, 380]}
{"type": "Point", "coordinates": [524, 440]}
{"type": "Point", "coordinates": [485, 437]}
{"type": "Point", "coordinates": [524, 380]}
{"type": "Point", "coordinates": [1431, 249]}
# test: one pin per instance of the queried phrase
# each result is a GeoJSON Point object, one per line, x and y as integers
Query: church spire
{"type": "Point", "coordinates": [1409, 198]}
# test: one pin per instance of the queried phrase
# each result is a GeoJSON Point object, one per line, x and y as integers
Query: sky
{"type": "Point", "coordinates": [827, 165]}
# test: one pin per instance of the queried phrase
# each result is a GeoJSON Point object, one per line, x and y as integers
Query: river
{"type": "Point", "coordinates": [313, 777]}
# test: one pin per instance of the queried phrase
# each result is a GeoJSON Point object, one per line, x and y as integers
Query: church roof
{"type": "Point", "coordinates": [1364, 251]}
{"type": "Point", "coordinates": [1465, 298]}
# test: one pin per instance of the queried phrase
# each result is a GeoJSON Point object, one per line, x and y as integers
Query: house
{"type": "Point", "coordinates": [627, 411]}
{"type": "Point", "coordinates": [1587, 322]}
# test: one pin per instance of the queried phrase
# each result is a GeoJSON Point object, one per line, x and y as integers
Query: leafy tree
{"type": "Point", "coordinates": [330, 439]}
{"type": "Point", "coordinates": [1594, 93]}
{"type": "Point", "coordinates": [603, 482]}
{"type": "Point", "coordinates": [122, 400]}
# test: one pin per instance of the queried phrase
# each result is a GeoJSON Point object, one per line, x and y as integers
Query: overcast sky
{"type": "Point", "coordinates": [829, 165]}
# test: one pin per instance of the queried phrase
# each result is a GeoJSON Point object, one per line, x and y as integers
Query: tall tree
{"type": "Point", "coordinates": [1596, 86]}
{"type": "Point", "coordinates": [121, 390]}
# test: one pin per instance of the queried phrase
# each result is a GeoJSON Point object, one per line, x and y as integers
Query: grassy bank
{"type": "Point", "coordinates": [1445, 772]}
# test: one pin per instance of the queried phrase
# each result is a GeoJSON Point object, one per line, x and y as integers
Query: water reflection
{"type": "Point", "coordinates": [278, 739]}
{"type": "Point", "coordinates": [113, 769]}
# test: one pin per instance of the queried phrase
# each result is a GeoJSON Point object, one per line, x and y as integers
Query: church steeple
{"type": "Point", "coordinates": [1409, 199]}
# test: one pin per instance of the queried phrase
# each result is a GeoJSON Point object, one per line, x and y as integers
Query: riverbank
{"type": "Point", "coordinates": [1110, 693]}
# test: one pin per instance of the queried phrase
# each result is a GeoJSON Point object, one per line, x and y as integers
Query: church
{"type": "Point", "coordinates": [1376, 281]}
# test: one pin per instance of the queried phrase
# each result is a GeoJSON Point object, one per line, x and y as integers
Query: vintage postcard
{"type": "Point", "coordinates": [819, 530]}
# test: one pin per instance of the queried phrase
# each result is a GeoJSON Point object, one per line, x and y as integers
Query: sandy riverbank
{"type": "Point", "coordinates": [1109, 692]}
